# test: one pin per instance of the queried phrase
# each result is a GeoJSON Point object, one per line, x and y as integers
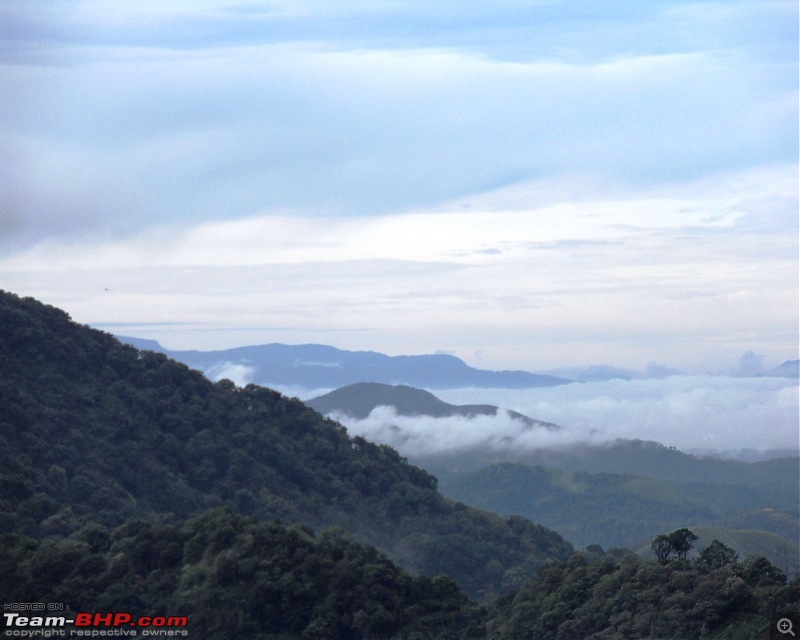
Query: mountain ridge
{"type": "Point", "coordinates": [360, 399]}
{"type": "Point", "coordinates": [317, 366]}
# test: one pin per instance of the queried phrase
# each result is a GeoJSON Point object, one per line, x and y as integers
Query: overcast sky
{"type": "Point", "coordinates": [522, 184]}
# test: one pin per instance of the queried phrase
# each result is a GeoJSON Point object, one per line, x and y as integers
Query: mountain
{"type": "Point", "coordinates": [637, 457]}
{"type": "Point", "coordinates": [359, 400]}
{"type": "Point", "coordinates": [625, 510]}
{"type": "Point", "coordinates": [788, 369]}
{"type": "Point", "coordinates": [97, 432]}
{"type": "Point", "coordinates": [315, 366]}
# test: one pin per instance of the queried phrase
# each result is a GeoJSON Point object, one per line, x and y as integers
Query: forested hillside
{"type": "Point", "coordinates": [96, 431]}
{"type": "Point", "coordinates": [632, 599]}
{"type": "Point", "coordinates": [626, 510]}
{"type": "Point", "coordinates": [238, 577]}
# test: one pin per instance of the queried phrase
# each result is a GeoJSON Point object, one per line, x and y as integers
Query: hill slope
{"type": "Point", "coordinates": [359, 400]}
{"type": "Point", "coordinates": [232, 576]}
{"type": "Point", "coordinates": [95, 431]}
{"type": "Point", "coordinates": [316, 366]}
{"type": "Point", "coordinates": [625, 510]}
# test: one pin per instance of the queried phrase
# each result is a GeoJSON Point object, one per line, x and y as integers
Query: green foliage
{"type": "Point", "coordinates": [662, 547]}
{"type": "Point", "coordinates": [717, 555]}
{"type": "Point", "coordinates": [93, 431]}
{"type": "Point", "coordinates": [238, 577]}
{"type": "Point", "coordinates": [677, 544]}
{"type": "Point", "coordinates": [621, 509]}
{"type": "Point", "coordinates": [634, 599]}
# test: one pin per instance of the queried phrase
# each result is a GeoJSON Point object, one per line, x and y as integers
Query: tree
{"type": "Point", "coordinates": [682, 542]}
{"type": "Point", "coordinates": [662, 547]}
{"type": "Point", "coordinates": [717, 555]}
{"type": "Point", "coordinates": [677, 543]}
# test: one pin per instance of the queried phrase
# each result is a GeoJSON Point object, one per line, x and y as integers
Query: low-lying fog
{"type": "Point", "coordinates": [734, 417]}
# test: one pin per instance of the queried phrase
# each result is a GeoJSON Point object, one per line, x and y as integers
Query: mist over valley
{"type": "Point", "coordinates": [740, 414]}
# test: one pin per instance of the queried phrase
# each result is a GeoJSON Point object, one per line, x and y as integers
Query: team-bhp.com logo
{"type": "Point", "coordinates": [118, 623]}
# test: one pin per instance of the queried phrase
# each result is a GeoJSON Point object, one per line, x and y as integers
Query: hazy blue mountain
{"type": "Point", "coordinates": [789, 369]}
{"type": "Point", "coordinates": [316, 366]}
{"type": "Point", "coordinates": [596, 373]}
{"type": "Point", "coordinates": [360, 399]}
{"type": "Point", "coordinates": [606, 372]}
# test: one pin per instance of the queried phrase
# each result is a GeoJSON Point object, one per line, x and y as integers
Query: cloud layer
{"type": "Point", "coordinates": [200, 111]}
{"type": "Point", "coordinates": [693, 413]}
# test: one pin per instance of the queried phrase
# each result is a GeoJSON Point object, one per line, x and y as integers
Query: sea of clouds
{"type": "Point", "coordinates": [749, 418]}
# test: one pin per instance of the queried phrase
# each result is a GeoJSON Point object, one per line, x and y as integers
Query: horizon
{"type": "Point", "coordinates": [749, 364]}
{"type": "Point", "coordinates": [521, 185]}
{"type": "Point", "coordinates": [736, 414]}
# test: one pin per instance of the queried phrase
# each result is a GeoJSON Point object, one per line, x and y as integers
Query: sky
{"type": "Point", "coordinates": [523, 184]}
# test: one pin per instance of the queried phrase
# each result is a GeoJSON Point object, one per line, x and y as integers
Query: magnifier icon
{"type": "Point", "coordinates": [785, 626]}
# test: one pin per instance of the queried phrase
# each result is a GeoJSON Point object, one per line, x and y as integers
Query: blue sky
{"type": "Point", "coordinates": [523, 184]}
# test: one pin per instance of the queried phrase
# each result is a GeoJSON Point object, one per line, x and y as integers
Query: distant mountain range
{"type": "Point", "coordinates": [360, 399]}
{"type": "Point", "coordinates": [605, 373]}
{"type": "Point", "coordinates": [316, 366]}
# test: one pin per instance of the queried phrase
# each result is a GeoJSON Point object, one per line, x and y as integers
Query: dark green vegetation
{"type": "Point", "coordinates": [359, 400]}
{"type": "Point", "coordinates": [596, 596]}
{"type": "Point", "coordinates": [96, 431]}
{"type": "Point", "coordinates": [616, 509]}
{"type": "Point", "coordinates": [129, 482]}
{"type": "Point", "coordinates": [237, 577]}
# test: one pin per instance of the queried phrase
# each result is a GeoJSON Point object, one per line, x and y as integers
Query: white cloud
{"type": "Point", "coordinates": [214, 131]}
{"type": "Point", "coordinates": [557, 285]}
{"type": "Point", "coordinates": [238, 373]}
{"type": "Point", "coordinates": [693, 413]}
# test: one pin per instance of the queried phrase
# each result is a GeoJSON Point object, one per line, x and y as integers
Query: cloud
{"type": "Point", "coordinates": [538, 288]}
{"type": "Point", "coordinates": [238, 373]}
{"type": "Point", "coordinates": [693, 413]}
{"type": "Point", "coordinates": [420, 436]}
{"type": "Point", "coordinates": [166, 114]}
{"type": "Point", "coordinates": [750, 364]}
